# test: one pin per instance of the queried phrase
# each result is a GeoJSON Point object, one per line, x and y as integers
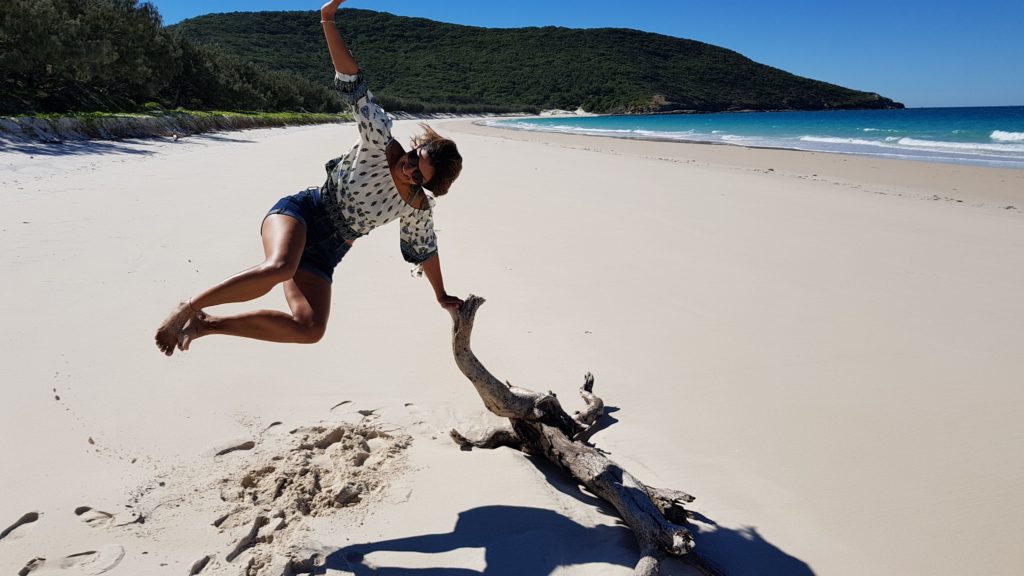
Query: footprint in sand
{"type": "Point", "coordinates": [32, 566]}
{"type": "Point", "coordinates": [27, 518]}
{"type": "Point", "coordinates": [93, 517]}
{"type": "Point", "coordinates": [199, 565]}
{"type": "Point", "coordinates": [94, 562]}
{"type": "Point", "coordinates": [247, 445]}
{"type": "Point", "coordinates": [230, 446]}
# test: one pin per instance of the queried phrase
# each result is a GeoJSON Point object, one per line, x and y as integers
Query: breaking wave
{"type": "Point", "coordinates": [1001, 136]}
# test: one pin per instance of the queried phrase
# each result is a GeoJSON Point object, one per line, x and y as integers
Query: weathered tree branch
{"type": "Point", "coordinates": [492, 438]}
{"type": "Point", "coordinates": [595, 406]}
{"type": "Point", "coordinates": [540, 425]}
{"type": "Point", "coordinates": [670, 503]}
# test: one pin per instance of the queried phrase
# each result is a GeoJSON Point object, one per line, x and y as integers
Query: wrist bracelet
{"type": "Point", "coordinates": [327, 21]}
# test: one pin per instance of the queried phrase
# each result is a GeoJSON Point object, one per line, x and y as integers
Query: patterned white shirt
{"type": "Point", "coordinates": [360, 194]}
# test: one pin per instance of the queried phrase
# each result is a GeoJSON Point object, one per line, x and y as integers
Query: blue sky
{"type": "Point", "coordinates": [922, 53]}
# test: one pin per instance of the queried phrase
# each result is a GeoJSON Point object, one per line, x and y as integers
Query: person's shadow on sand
{"type": "Point", "coordinates": [517, 540]}
{"type": "Point", "coordinates": [521, 540]}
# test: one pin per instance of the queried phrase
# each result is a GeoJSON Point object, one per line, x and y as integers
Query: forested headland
{"type": "Point", "coordinates": [420, 65]}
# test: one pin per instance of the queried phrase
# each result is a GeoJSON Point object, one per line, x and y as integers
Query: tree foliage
{"type": "Point", "coordinates": [420, 65]}
{"type": "Point", "coordinates": [115, 55]}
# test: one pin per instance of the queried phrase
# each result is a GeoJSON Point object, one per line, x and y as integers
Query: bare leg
{"type": "Point", "coordinates": [309, 297]}
{"type": "Point", "coordinates": [283, 240]}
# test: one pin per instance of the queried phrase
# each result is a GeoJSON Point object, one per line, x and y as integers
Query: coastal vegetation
{"type": "Point", "coordinates": [116, 56]}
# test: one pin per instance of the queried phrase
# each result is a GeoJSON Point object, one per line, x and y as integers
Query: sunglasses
{"type": "Point", "coordinates": [414, 160]}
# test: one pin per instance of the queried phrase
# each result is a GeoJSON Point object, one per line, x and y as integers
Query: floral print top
{"type": "Point", "coordinates": [360, 194]}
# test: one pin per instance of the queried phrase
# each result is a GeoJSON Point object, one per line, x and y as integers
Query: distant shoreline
{"type": "Point", "coordinates": [948, 182]}
{"type": "Point", "coordinates": [977, 136]}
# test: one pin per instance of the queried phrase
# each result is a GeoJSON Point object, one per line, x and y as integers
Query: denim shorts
{"type": "Point", "coordinates": [324, 247]}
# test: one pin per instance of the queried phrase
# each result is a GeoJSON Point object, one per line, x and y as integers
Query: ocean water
{"type": "Point", "coordinates": [989, 136]}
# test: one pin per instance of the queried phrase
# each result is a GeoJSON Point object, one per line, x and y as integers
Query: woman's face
{"type": "Point", "coordinates": [415, 167]}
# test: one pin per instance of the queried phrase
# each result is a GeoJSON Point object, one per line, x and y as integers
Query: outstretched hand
{"type": "Point", "coordinates": [327, 10]}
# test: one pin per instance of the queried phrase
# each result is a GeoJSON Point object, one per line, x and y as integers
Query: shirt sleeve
{"type": "Point", "coordinates": [417, 237]}
{"type": "Point", "coordinates": [374, 123]}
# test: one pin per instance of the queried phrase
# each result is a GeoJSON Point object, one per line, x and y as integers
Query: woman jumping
{"type": "Point", "coordinates": [306, 235]}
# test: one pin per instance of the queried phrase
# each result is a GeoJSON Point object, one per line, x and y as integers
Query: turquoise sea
{"type": "Point", "coordinates": [989, 136]}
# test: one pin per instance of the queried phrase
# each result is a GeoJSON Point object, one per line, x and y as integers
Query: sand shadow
{"type": "Point", "coordinates": [73, 148]}
{"type": "Point", "coordinates": [602, 423]}
{"type": "Point", "coordinates": [559, 480]}
{"type": "Point", "coordinates": [128, 146]}
{"type": "Point", "coordinates": [741, 551]}
{"type": "Point", "coordinates": [722, 550]}
{"type": "Point", "coordinates": [517, 540]}
{"type": "Point", "coordinates": [521, 540]}
{"type": "Point", "coordinates": [219, 137]}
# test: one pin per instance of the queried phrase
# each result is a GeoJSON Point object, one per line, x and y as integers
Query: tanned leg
{"type": "Point", "coordinates": [309, 298]}
{"type": "Point", "coordinates": [283, 241]}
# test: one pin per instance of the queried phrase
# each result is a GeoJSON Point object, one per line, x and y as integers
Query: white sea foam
{"type": "Point", "coordinates": [834, 140]}
{"type": "Point", "coordinates": [903, 142]}
{"type": "Point", "coordinates": [688, 135]}
{"type": "Point", "coordinates": [963, 146]}
{"type": "Point", "coordinates": [1001, 136]}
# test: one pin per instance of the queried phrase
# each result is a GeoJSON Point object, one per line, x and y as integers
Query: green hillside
{"type": "Point", "coordinates": [417, 65]}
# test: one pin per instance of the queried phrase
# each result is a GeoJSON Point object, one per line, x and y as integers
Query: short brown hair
{"type": "Point", "coordinates": [444, 157]}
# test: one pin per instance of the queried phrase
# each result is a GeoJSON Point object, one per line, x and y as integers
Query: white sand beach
{"type": "Point", "coordinates": [825, 350]}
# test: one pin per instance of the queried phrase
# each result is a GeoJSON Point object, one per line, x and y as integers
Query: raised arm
{"type": "Point", "coordinates": [340, 56]}
{"type": "Point", "coordinates": [373, 122]}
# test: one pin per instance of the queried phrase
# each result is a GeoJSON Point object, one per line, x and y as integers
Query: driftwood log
{"type": "Point", "coordinates": [539, 425]}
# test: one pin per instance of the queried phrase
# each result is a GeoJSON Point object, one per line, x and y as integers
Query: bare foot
{"type": "Point", "coordinates": [191, 330]}
{"type": "Point", "coordinates": [167, 333]}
